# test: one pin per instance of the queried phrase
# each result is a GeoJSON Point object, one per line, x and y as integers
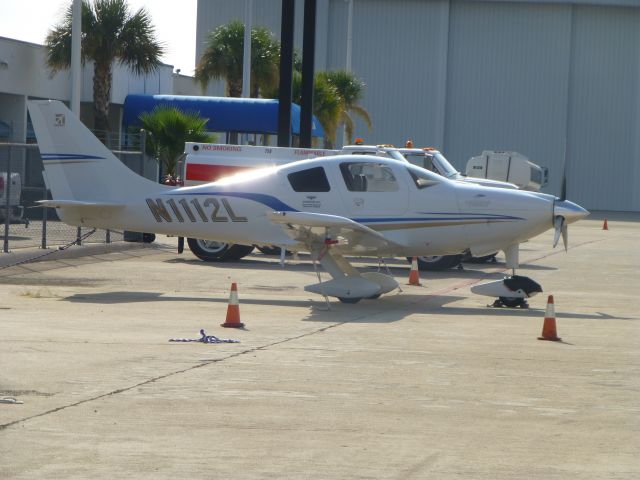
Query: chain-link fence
{"type": "Point", "coordinates": [23, 223]}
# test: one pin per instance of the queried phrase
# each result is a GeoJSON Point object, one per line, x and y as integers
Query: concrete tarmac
{"type": "Point", "coordinates": [424, 383]}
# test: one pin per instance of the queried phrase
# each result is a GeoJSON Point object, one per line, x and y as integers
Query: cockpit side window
{"type": "Point", "coordinates": [309, 180]}
{"type": "Point", "coordinates": [368, 177]}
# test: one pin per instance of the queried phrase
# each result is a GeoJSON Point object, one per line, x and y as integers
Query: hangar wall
{"type": "Point", "coordinates": [550, 79]}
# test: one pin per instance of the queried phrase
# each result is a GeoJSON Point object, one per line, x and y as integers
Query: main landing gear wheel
{"type": "Point", "coordinates": [212, 251]}
{"type": "Point", "coordinates": [349, 299]}
{"type": "Point", "coordinates": [438, 262]}
{"type": "Point", "coordinates": [510, 302]}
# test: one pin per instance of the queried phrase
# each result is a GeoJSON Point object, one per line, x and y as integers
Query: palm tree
{"type": "Point", "coordinates": [350, 89]}
{"type": "Point", "coordinates": [222, 59]}
{"type": "Point", "coordinates": [109, 33]}
{"type": "Point", "coordinates": [327, 105]}
{"type": "Point", "coordinates": [168, 129]}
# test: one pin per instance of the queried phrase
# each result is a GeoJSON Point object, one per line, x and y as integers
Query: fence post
{"type": "Point", "coordinates": [45, 211]}
{"type": "Point", "coordinates": [7, 210]}
{"type": "Point", "coordinates": [79, 236]}
{"type": "Point", "coordinates": [108, 237]}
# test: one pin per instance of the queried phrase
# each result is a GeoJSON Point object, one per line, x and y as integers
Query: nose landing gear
{"type": "Point", "coordinates": [511, 292]}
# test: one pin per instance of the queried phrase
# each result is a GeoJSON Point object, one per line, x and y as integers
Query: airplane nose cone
{"type": "Point", "coordinates": [572, 212]}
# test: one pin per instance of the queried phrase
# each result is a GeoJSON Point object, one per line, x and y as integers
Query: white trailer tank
{"type": "Point", "coordinates": [510, 167]}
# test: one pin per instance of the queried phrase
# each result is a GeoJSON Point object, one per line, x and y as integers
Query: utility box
{"type": "Point", "coordinates": [10, 196]}
{"type": "Point", "coordinates": [510, 167]}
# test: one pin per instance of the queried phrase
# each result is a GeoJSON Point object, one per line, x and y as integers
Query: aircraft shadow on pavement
{"type": "Point", "coordinates": [387, 309]}
{"type": "Point", "coordinates": [150, 297]}
{"type": "Point", "coordinates": [523, 312]}
{"type": "Point", "coordinates": [384, 310]}
{"type": "Point", "coordinates": [394, 308]}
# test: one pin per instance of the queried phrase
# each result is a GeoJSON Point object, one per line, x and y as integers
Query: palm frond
{"type": "Point", "coordinates": [109, 33]}
{"type": "Point", "coordinates": [58, 43]}
{"type": "Point", "coordinates": [137, 47]}
{"type": "Point", "coordinates": [168, 129]}
{"type": "Point", "coordinates": [223, 58]}
{"type": "Point", "coordinates": [362, 113]}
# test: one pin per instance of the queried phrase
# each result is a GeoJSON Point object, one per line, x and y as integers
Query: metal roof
{"type": "Point", "coordinates": [225, 114]}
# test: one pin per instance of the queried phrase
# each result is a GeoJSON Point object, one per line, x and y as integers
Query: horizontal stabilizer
{"type": "Point", "coordinates": [77, 204]}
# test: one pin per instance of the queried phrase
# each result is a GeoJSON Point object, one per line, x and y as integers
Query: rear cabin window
{"type": "Point", "coordinates": [309, 180]}
{"type": "Point", "coordinates": [368, 177]}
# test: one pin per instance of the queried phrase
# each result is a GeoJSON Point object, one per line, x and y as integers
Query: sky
{"type": "Point", "coordinates": [175, 24]}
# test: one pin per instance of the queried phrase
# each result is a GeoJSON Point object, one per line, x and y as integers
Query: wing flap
{"type": "Point", "coordinates": [311, 228]}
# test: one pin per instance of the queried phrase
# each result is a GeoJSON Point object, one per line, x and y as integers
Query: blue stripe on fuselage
{"type": "Point", "coordinates": [450, 216]}
{"type": "Point", "coordinates": [268, 200]}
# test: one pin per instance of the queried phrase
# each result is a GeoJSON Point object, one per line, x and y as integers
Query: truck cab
{"type": "Point", "coordinates": [435, 161]}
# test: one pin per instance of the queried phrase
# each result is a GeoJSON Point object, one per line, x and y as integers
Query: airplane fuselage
{"type": "Point", "coordinates": [428, 215]}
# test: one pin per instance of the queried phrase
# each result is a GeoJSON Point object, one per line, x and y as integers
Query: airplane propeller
{"type": "Point", "coordinates": [564, 213]}
{"type": "Point", "coordinates": [561, 229]}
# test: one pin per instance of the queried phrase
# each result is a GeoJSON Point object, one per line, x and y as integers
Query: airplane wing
{"type": "Point", "coordinates": [316, 228]}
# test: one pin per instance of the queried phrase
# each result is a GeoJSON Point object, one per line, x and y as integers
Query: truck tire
{"type": "Point", "coordinates": [437, 262]}
{"type": "Point", "coordinates": [484, 259]}
{"type": "Point", "coordinates": [212, 251]}
{"type": "Point", "coordinates": [272, 250]}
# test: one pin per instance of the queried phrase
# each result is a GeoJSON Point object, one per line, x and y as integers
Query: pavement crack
{"type": "Point", "coordinates": [170, 374]}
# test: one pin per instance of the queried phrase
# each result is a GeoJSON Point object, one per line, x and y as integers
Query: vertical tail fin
{"type": "Point", "coordinates": [77, 165]}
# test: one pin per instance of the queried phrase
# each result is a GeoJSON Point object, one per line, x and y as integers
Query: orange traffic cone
{"type": "Point", "coordinates": [549, 327]}
{"type": "Point", "coordinates": [233, 310]}
{"type": "Point", "coordinates": [605, 226]}
{"type": "Point", "coordinates": [414, 275]}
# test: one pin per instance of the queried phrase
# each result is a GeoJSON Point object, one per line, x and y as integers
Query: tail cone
{"type": "Point", "coordinates": [549, 327]}
{"type": "Point", "coordinates": [233, 310]}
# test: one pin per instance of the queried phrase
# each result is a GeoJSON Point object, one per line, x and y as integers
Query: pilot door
{"type": "Point", "coordinates": [372, 189]}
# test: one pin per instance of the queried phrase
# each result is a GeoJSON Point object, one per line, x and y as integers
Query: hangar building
{"type": "Point", "coordinates": [556, 80]}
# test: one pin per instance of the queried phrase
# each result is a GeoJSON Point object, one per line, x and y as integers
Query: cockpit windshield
{"type": "Point", "coordinates": [423, 178]}
{"type": "Point", "coordinates": [443, 165]}
{"type": "Point", "coordinates": [433, 161]}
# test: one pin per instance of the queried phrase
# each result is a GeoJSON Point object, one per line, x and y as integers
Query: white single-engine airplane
{"type": "Point", "coordinates": [332, 206]}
